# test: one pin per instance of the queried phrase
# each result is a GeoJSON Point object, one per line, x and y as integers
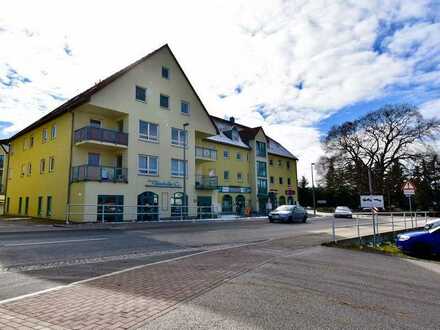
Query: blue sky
{"type": "Point", "coordinates": [294, 67]}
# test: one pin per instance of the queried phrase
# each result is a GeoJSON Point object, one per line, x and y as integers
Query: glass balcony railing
{"type": "Point", "coordinates": [206, 182]}
{"type": "Point", "coordinates": [206, 153]}
{"type": "Point", "coordinates": [99, 173]}
{"type": "Point", "coordinates": [90, 133]}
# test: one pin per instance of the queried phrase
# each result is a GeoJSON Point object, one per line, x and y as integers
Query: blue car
{"type": "Point", "coordinates": [421, 242]}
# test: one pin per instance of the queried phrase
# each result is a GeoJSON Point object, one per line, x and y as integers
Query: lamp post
{"type": "Point", "coordinates": [313, 190]}
{"type": "Point", "coordinates": [185, 139]}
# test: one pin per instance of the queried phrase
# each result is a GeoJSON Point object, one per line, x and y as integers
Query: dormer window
{"type": "Point", "coordinates": [235, 136]}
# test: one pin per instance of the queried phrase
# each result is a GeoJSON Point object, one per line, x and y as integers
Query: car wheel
{"type": "Point", "coordinates": [271, 220]}
{"type": "Point", "coordinates": [305, 218]}
{"type": "Point", "coordinates": [290, 219]}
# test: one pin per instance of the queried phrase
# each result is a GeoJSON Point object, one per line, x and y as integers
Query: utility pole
{"type": "Point", "coordinates": [313, 190]}
{"type": "Point", "coordinates": [185, 199]}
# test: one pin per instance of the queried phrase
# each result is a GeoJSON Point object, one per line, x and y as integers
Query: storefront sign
{"type": "Point", "coordinates": [228, 189]}
{"type": "Point", "coordinates": [164, 184]}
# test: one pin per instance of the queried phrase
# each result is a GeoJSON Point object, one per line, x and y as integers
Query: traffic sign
{"type": "Point", "coordinates": [409, 189]}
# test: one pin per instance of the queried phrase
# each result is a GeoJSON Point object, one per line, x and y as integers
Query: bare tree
{"type": "Point", "coordinates": [394, 133]}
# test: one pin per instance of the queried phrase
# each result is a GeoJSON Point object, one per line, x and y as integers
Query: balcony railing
{"type": "Point", "coordinates": [206, 153]}
{"type": "Point", "coordinates": [99, 173]}
{"type": "Point", "coordinates": [206, 182]}
{"type": "Point", "coordinates": [90, 133]}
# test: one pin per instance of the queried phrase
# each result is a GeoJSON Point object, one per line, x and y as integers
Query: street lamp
{"type": "Point", "coordinates": [185, 139]}
{"type": "Point", "coordinates": [313, 190]}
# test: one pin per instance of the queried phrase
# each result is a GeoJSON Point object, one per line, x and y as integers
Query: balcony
{"type": "Point", "coordinates": [206, 154]}
{"type": "Point", "coordinates": [205, 182]}
{"type": "Point", "coordinates": [99, 174]}
{"type": "Point", "coordinates": [100, 136]}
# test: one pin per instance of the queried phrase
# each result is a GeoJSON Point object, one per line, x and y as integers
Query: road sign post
{"type": "Point", "coordinates": [409, 190]}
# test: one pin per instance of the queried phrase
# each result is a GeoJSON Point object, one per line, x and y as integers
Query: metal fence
{"type": "Point", "coordinates": [377, 224]}
{"type": "Point", "coordinates": [141, 213]}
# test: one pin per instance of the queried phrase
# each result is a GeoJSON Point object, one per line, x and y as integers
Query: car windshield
{"type": "Point", "coordinates": [342, 208]}
{"type": "Point", "coordinates": [432, 225]}
{"type": "Point", "coordinates": [285, 208]}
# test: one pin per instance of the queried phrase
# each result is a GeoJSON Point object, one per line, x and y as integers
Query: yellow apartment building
{"type": "Point", "coordinates": [3, 164]}
{"type": "Point", "coordinates": [120, 150]}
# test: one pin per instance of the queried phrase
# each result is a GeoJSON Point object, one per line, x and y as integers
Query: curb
{"type": "Point", "coordinates": [126, 225]}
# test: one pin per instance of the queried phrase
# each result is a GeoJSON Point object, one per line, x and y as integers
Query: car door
{"type": "Point", "coordinates": [435, 241]}
{"type": "Point", "coordinates": [300, 212]}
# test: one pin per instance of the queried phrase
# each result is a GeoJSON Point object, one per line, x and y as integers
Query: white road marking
{"type": "Point", "coordinates": [127, 270]}
{"type": "Point", "coordinates": [56, 242]}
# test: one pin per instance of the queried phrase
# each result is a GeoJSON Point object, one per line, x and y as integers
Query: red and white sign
{"type": "Point", "coordinates": [409, 189]}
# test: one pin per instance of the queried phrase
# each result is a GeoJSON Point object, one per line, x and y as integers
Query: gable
{"type": "Point", "coordinates": [120, 94]}
{"type": "Point", "coordinates": [85, 96]}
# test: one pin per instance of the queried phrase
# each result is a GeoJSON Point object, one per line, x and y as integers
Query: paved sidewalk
{"type": "Point", "coordinates": [128, 299]}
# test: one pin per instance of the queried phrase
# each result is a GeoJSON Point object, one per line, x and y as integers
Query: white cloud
{"type": "Point", "coordinates": [298, 61]}
{"type": "Point", "coordinates": [431, 109]}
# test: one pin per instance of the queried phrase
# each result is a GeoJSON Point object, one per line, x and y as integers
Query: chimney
{"type": "Point", "coordinates": [232, 120]}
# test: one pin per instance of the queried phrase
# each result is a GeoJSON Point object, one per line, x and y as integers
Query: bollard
{"type": "Point", "coordinates": [426, 217]}
{"type": "Point", "coordinates": [415, 216]}
{"type": "Point", "coordinates": [68, 214]}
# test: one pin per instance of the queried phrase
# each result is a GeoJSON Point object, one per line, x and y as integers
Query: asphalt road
{"type": "Point", "coordinates": [318, 288]}
{"type": "Point", "coordinates": [35, 261]}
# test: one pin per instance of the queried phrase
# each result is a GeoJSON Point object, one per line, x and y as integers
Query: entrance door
{"type": "Point", "coordinates": [204, 207]}
{"type": "Point", "coordinates": [110, 208]}
{"type": "Point", "coordinates": [177, 208]}
{"type": "Point", "coordinates": [262, 201]}
{"type": "Point", "coordinates": [148, 206]}
{"type": "Point", "coordinates": [227, 204]}
{"type": "Point", "coordinates": [282, 200]}
{"type": "Point", "coordinates": [120, 126]}
{"type": "Point", "coordinates": [239, 204]}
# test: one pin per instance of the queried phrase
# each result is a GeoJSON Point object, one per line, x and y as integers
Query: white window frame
{"type": "Point", "coordinates": [53, 132]}
{"type": "Point", "coordinates": [135, 96]}
{"type": "Point", "coordinates": [168, 70]}
{"type": "Point", "coordinates": [179, 142]}
{"type": "Point", "coordinates": [239, 177]}
{"type": "Point", "coordinates": [180, 169]}
{"type": "Point", "coordinates": [51, 167]}
{"type": "Point", "coordinates": [96, 122]}
{"type": "Point", "coordinates": [148, 137]}
{"type": "Point", "coordinates": [42, 165]}
{"type": "Point", "coordinates": [189, 108]}
{"type": "Point", "coordinates": [44, 135]}
{"type": "Point", "coordinates": [148, 171]}
{"type": "Point", "coordinates": [169, 101]}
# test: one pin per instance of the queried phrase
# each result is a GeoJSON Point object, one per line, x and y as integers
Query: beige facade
{"type": "Point", "coordinates": [121, 153]}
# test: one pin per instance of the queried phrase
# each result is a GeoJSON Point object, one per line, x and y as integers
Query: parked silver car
{"type": "Point", "coordinates": [288, 213]}
{"type": "Point", "coordinates": [343, 212]}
